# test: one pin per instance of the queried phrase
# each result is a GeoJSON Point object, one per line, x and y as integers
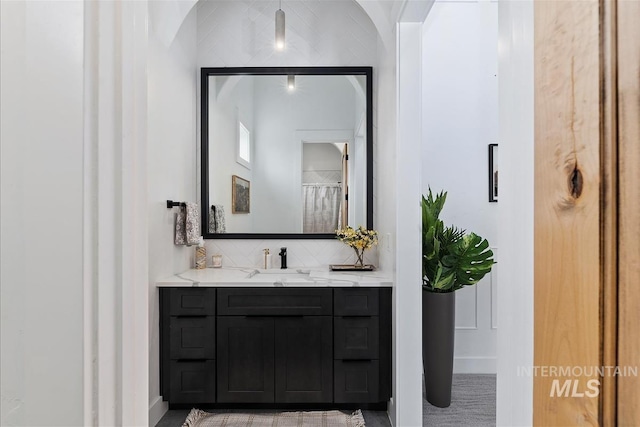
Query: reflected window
{"type": "Point", "coordinates": [244, 145]}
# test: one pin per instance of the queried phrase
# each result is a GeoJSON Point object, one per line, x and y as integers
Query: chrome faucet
{"type": "Point", "coordinates": [283, 258]}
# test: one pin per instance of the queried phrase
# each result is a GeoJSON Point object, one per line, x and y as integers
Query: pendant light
{"type": "Point", "coordinates": [291, 82]}
{"type": "Point", "coordinates": [280, 28]}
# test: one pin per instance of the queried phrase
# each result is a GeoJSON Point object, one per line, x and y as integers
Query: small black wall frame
{"type": "Point", "coordinates": [493, 172]}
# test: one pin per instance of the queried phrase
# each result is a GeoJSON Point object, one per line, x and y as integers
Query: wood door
{"type": "Point", "coordinates": [304, 359]}
{"type": "Point", "coordinates": [628, 108]}
{"type": "Point", "coordinates": [245, 359]}
{"type": "Point", "coordinates": [344, 206]}
{"type": "Point", "coordinates": [567, 201]}
{"type": "Point", "coordinates": [587, 211]}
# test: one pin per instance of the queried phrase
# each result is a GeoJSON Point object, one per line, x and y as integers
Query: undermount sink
{"type": "Point", "coordinates": [284, 276]}
{"type": "Point", "coordinates": [279, 271]}
{"type": "Point", "coordinates": [297, 278]}
{"type": "Point", "coordinates": [300, 282]}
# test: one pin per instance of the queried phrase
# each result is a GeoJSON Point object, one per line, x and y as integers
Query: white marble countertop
{"type": "Point", "coordinates": [291, 277]}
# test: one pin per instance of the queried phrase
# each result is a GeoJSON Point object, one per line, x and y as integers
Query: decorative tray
{"type": "Point", "coordinates": [351, 267]}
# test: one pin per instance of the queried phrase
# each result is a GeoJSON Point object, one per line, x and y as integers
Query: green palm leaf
{"type": "Point", "coordinates": [451, 258]}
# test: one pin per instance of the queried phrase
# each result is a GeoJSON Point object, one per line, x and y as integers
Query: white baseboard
{"type": "Point", "coordinates": [474, 365]}
{"type": "Point", "coordinates": [157, 409]}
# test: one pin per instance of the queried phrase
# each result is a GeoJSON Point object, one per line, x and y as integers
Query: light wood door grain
{"type": "Point", "coordinates": [628, 40]}
{"type": "Point", "coordinates": [567, 208]}
{"type": "Point", "coordinates": [587, 211]}
{"type": "Point", "coordinates": [609, 212]}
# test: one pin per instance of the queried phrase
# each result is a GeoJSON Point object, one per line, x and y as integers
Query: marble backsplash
{"type": "Point", "coordinates": [300, 253]}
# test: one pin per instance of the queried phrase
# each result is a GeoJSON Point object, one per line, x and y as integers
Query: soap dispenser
{"type": "Point", "coordinates": [267, 259]}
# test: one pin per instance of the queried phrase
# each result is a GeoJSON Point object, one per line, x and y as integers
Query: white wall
{"type": "Point", "coordinates": [384, 181]}
{"type": "Point", "coordinates": [407, 326]}
{"type": "Point", "coordinates": [320, 103]}
{"type": "Point", "coordinates": [41, 217]}
{"type": "Point", "coordinates": [384, 155]}
{"type": "Point", "coordinates": [515, 298]}
{"type": "Point", "coordinates": [321, 157]}
{"type": "Point", "coordinates": [357, 161]}
{"type": "Point", "coordinates": [460, 110]}
{"type": "Point", "coordinates": [74, 235]}
{"type": "Point", "coordinates": [235, 33]}
{"type": "Point", "coordinates": [224, 112]}
{"type": "Point", "coordinates": [172, 147]}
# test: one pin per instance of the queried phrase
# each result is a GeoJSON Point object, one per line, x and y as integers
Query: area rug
{"type": "Point", "coordinates": [199, 418]}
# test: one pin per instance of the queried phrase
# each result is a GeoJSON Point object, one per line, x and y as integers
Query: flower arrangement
{"type": "Point", "coordinates": [359, 239]}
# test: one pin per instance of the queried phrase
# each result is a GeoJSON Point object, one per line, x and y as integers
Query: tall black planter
{"type": "Point", "coordinates": [438, 329]}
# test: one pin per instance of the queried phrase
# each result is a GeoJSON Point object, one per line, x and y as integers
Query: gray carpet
{"type": "Point", "coordinates": [473, 404]}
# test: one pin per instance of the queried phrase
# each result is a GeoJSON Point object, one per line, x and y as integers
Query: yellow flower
{"type": "Point", "coordinates": [359, 238]}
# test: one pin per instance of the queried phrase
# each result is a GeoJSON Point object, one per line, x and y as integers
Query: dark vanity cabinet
{"type": "Point", "coordinates": [275, 345]}
{"type": "Point", "coordinates": [362, 340]}
{"type": "Point", "coordinates": [188, 344]}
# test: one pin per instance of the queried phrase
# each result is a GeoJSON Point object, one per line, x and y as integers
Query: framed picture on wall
{"type": "Point", "coordinates": [240, 195]}
{"type": "Point", "coordinates": [493, 172]}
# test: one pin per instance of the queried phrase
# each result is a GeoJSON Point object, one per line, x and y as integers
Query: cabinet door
{"type": "Point", "coordinates": [245, 359]}
{"type": "Point", "coordinates": [304, 365]}
{"type": "Point", "coordinates": [192, 381]}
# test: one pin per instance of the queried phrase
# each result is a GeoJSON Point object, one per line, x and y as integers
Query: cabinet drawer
{"type": "Point", "coordinates": [356, 381]}
{"type": "Point", "coordinates": [356, 302]}
{"type": "Point", "coordinates": [192, 302]}
{"type": "Point", "coordinates": [192, 381]}
{"type": "Point", "coordinates": [274, 302]}
{"type": "Point", "coordinates": [356, 337]}
{"type": "Point", "coordinates": [192, 337]}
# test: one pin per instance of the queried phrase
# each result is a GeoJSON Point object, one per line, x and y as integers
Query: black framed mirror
{"type": "Point", "coordinates": [286, 152]}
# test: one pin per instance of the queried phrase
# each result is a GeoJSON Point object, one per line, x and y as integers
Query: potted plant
{"type": "Point", "coordinates": [451, 259]}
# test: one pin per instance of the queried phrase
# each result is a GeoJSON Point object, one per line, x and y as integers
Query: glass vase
{"type": "Point", "coordinates": [359, 258]}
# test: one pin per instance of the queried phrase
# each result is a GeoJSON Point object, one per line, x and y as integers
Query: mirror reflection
{"type": "Point", "coordinates": [287, 154]}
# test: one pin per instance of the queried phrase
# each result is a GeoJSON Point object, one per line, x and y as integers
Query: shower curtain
{"type": "Point", "coordinates": [321, 211]}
